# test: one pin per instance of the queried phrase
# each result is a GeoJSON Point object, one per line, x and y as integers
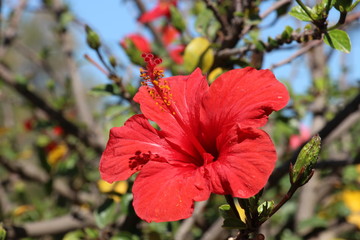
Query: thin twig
{"type": "Point", "coordinates": [274, 7]}
{"type": "Point", "coordinates": [297, 54]}
{"type": "Point", "coordinates": [58, 225]}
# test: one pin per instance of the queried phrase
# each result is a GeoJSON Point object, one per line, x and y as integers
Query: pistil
{"type": "Point", "coordinates": [159, 88]}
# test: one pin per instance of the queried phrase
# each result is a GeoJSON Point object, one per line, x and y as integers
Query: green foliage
{"type": "Point", "coordinates": [230, 219]}
{"type": "Point", "coordinates": [177, 19]}
{"type": "Point", "coordinates": [2, 232]}
{"type": "Point", "coordinates": [339, 40]}
{"type": "Point", "coordinates": [106, 213]}
{"type": "Point", "coordinates": [300, 13]}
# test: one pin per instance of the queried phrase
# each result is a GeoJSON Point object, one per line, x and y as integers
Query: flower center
{"type": "Point", "coordinates": [159, 89]}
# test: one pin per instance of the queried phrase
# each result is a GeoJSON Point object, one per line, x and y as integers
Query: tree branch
{"type": "Point", "coordinates": [58, 225]}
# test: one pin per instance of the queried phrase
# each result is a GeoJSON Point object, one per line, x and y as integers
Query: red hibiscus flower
{"type": "Point", "coordinates": [140, 42]}
{"type": "Point", "coordinates": [160, 10]}
{"type": "Point", "coordinates": [209, 142]}
{"type": "Point", "coordinates": [169, 34]}
{"type": "Point", "coordinates": [176, 54]}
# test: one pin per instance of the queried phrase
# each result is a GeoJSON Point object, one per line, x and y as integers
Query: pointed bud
{"type": "Point", "coordinates": [92, 38]}
{"type": "Point", "coordinates": [303, 169]}
{"type": "Point", "coordinates": [113, 61]}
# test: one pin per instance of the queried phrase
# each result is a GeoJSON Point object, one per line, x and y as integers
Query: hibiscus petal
{"type": "Point", "coordinates": [162, 9]}
{"type": "Point", "coordinates": [130, 147]}
{"type": "Point", "coordinates": [247, 158]}
{"type": "Point", "coordinates": [164, 192]}
{"type": "Point", "coordinates": [187, 92]}
{"type": "Point", "coordinates": [246, 96]}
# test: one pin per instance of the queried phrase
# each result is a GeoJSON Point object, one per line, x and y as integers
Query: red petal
{"type": "Point", "coordinates": [187, 92]}
{"type": "Point", "coordinates": [169, 34]}
{"type": "Point", "coordinates": [247, 158]}
{"type": "Point", "coordinates": [245, 96]}
{"type": "Point", "coordinates": [163, 192]}
{"type": "Point", "coordinates": [135, 138]}
{"type": "Point", "coordinates": [176, 54]}
{"type": "Point", "coordinates": [162, 9]}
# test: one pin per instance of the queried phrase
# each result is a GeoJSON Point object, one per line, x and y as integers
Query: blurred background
{"type": "Point", "coordinates": [69, 71]}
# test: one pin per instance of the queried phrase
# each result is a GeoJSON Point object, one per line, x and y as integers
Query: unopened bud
{"type": "Point", "coordinates": [92, 38]}
{"type": "Point", "coordinates": [303, 169]}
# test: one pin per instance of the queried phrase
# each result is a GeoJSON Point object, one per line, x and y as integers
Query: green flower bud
{"type": "Point", "coordinates": [303, 169]}
{"type": "Point", "coordinates": [92, 38]}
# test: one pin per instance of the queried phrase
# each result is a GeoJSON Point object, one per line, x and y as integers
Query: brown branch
{"type": "Point", "coordinates": [274, 7]}
{"type": "Point", "coordinates": [300, 52]}
{"type": "Point", "coordinates": [58, 225]}
{"type": "Point", "coordinates": [298, 37]}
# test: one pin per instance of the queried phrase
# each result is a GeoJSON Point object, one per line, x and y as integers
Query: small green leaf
{"type": "Point", "coordinates": [339, 40]}
{"type": "Point", "coordinates": [300, 14]}
{"type": "Point", "coordinates": [265, 209]}
{"type": "Point", "coordinates": [106, 213]}
{"type": "Point", "coordinates": [177, 19]}
{"type": "Point", "coordinates": [286, 34]}
{"type": "Point", "coordinates": [230, 220]}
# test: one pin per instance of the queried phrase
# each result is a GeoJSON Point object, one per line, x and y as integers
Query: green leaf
{"type": "Point", "coordinates": [300, 14]}
{"type": "Point", "coordinates": [177, 19]}
{"type": "Point", "coordinates": [265, 209]}
{"type": "Point", "coordinates": [206, 24]}
{"type": "Point", "coordinates": [106, 213]}
{"type": "Point", "coordinates": [230, 220]}
{"type": "Point", "coordinates": [339, 40]}
{"type": "Point", "coordinates": [286, 34]}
